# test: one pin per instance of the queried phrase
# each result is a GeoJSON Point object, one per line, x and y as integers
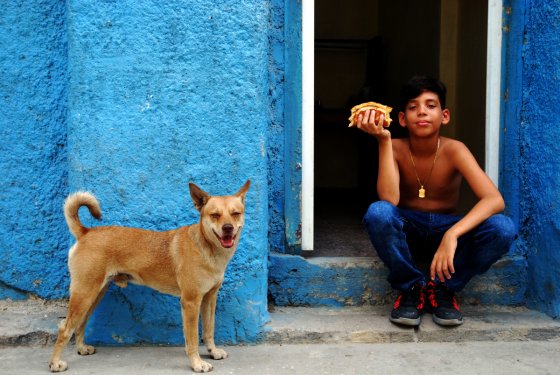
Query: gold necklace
{"type": "Point", "coordinates": [422, 191]}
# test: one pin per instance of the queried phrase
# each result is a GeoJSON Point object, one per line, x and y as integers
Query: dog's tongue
{"type": "Point", "coordinates": [226, 241]}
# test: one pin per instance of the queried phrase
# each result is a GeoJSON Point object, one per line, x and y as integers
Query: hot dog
{"type": "Point", "coordinates": [379, 109]}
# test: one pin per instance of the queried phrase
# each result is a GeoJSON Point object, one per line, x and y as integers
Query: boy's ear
{"type": "Point", "coordinates": [402, 121]}
{"type": "Point", "coordinates": [446, 115]}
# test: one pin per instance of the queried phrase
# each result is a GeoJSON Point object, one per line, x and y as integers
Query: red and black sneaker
{"type": "Point", "coordinates": [409, 307]}
{"type": "Point", "coordinates": [444, 306]}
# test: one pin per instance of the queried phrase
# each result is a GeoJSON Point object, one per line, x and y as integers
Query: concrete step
{"type": "Point", "coordinates": [370, 324]}
{"type": "Point", "coordinates": [354, 281]}
{"type": "Point", "coordinates": [34, 323]}
{"type": "Point", "coordinates": [30, 322]}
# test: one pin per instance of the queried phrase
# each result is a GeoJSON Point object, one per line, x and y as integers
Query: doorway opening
{"type": "Point", "coordinates": [364, 51]}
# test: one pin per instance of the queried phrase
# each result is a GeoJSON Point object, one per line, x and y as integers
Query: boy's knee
{"type": "Point", "coordinates": [379, 214]}
{"type": "Point", "coordinates": [503, 231]}
{"type": "Point", "coordinates": [503, 227]}
{"type": "Point", "coordinates": [380, 211]}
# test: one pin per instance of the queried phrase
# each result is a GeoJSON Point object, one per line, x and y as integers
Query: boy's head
{"type": "Point", "coordinates": [419, 84]}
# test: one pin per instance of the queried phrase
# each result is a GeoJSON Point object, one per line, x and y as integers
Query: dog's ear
{"type": "Point", "coordinates": [241, 193]}
{"type": "Point", "coordinates": [199, 196]}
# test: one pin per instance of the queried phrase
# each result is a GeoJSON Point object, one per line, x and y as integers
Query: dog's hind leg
{"type": "Point", "coordinates": [82, 296]}
{"type": "Point", "coordinates": [79, 334]}
{"type": "Point", "coordinates": [208, 314]}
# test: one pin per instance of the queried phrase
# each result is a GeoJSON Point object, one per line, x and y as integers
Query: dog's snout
{"type": "Point", "coordinates": [227, 228]}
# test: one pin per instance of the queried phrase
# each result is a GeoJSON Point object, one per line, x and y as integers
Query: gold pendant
{"type": "Point", "coordinates": [421, 192]}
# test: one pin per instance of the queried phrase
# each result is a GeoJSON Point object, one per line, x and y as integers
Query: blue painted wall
{"type": "Point", "coordinates": [132, 100]}
{"type": "Point", "coordinates": [276, 129]}
{"type": "Point", "coordinates": [531, 152]}
{"type": "Point", "coordinates": [160, 94]}
{"type": "Point", "coordinates": [33, 119]}
{"type": "Point", "coordinates": [293, 122]}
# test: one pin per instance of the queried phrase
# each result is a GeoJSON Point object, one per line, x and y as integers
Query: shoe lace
{"type": "Point", "coordinates": [412, 297]}
{"type": "Point", "coordinates": [432, 295]}
{"type": "Point", "coordinates": [439, 295]}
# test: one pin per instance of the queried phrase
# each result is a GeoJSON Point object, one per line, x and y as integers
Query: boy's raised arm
{"type": "Point", "coordinates": [388, 175]}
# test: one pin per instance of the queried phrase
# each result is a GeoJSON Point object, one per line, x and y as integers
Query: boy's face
{"type": "Point", "coordinates": [424, 114]}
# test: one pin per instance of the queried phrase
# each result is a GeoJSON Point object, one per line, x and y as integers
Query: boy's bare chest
{"type": "Point", "coordinates": [426, 179]}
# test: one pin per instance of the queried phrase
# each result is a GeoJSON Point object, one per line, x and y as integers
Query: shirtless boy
{"type": "Point", "coordinates": [416, 220]}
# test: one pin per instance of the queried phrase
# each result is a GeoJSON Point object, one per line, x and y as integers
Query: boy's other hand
{"type": "Point", "coordinates": [442, 264]}
{"type": "Point", "coordinates": [368, 124]}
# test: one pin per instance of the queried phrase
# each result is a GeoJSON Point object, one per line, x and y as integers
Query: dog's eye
{"type": "Point", "coordinates": [215, 216]}
{"type": "Point", "coordinates": [235, 214]}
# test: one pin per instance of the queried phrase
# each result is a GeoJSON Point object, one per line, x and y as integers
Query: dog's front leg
{"type": "Point", "coordinates": [208, 321]}
{"type": "Point", "coordinates": [190, 308]}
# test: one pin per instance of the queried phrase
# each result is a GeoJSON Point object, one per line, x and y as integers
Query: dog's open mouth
{"type": "Point", "coordinates": [227, 240]}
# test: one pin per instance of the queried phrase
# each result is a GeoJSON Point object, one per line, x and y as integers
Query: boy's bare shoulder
{"type": "Point", "coordinates": [457, 154]}
{"type": "Point", "coordinates": [452, 141]}
{"type": "Point", "coordinates": [454, 147]}
{"type": "Point", "coordinates": [399, 143]}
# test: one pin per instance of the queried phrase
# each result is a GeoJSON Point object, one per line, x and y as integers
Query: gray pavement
{"type": "Point", "coordinates": [314, 359]}
{"type": "Point", "coordinates": [353, 340]}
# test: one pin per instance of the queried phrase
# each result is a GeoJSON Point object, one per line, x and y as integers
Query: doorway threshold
{"type": "Point", "coordinates": [340, 236]}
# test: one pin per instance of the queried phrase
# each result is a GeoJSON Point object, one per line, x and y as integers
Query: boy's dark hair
{"type": "Point", "coordinates": [417, 85]}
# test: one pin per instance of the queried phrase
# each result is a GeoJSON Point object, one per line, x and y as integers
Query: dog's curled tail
{"type": "Point", "coordinates": [71, 207]}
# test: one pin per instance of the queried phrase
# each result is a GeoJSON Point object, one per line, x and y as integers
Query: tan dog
{"type": "Point", "coordinates": [188, 262]}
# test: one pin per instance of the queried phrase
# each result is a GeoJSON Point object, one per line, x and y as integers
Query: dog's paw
{"type": "Point", "coordinates": [86, 350]}
{"type": "Point", "coordinates": [202, 366]}
{"type": "Point", "coordinates": [58, 366]}
{"type": "Point", "coordinates": [218, 353]}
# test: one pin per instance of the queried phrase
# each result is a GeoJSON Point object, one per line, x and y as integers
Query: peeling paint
{"type": "Point", "coordinates": [296, 281]}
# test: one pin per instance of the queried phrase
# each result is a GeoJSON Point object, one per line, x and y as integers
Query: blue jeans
{"type": "Point", "coordinates": [406, 240]}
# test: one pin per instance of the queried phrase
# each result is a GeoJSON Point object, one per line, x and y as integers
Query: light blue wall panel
{"type": "Point", "coordinates": [160, 94]}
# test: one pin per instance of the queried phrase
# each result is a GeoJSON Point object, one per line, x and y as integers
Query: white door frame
{"type": "Point", "coordinates": [307, 115]}
{"type": "Point", "coordinates": [493, 103]}
{"type": "Point", "coordinates": [493, 89]}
